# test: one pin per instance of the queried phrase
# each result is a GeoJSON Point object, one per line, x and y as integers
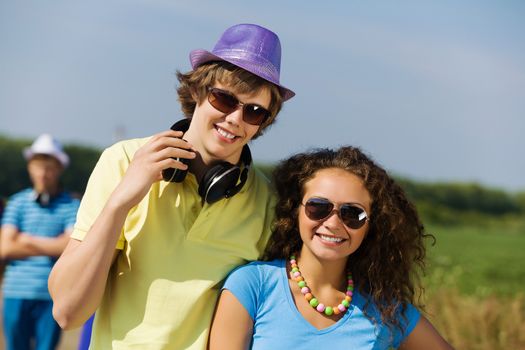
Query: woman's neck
{"type": "Point", "coordinates": [322, 273]}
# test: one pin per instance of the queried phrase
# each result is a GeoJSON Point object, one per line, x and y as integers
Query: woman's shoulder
{"type": "Point", "coordinates": [367, 304]}
{"type": "Point", "coordinates": [407, 316]}
{"type": "Point", "coordinates": [406, 312]}
{"type": "Point", "coordinates": [271, 265]}
{"type": "Point", "coordinates": [261, 270]}
{"type": "Point", "coordinates": [261, 266]}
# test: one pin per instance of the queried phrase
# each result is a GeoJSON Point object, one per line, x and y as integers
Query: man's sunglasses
{"type": "Point", "coordinates": [227, 103]}
{"type": "Point", "coordinates": [319, 209]}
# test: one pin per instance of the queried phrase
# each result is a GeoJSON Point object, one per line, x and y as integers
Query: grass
{"type": "Point", "coordinates": [475, 293]}
{"type": "Point", "coordinates": [478, 323]}
{"type": "Point", "coordinates": [475, 281]}
{"type": "Point", "coordinates": [477, 261]}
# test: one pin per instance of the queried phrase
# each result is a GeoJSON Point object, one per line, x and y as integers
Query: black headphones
{"type": "Point", "coordinates": [220, 181]}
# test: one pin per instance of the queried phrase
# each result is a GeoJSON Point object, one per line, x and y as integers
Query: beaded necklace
{"type": "Point", "coordinates": [295, 274]}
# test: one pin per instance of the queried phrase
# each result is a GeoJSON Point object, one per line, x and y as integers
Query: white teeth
{"type": "Point", "coordinates": [225, 133]}
{"type": "Point", "coordinates": [331, 239]}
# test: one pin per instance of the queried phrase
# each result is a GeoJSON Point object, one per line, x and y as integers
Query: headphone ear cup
{"type": "Point", "coordinates": [218, 182]}
{"type": "Point", "coordinates": [173, 174]}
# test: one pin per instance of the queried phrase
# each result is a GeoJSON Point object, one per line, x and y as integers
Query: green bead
{"type": "Point", "coordinates": [345, 303]}
{"type": "Point", "coordinates": [295, 269]}
{"type": "Point", "coordinates": [350, 288]}
{"type": "Point", "coordinates": [292, 257]}
{"type": "Point", "coordinates": [314, 302]}
{"type": "Point", "coordinates": [328, 311]}
{"type": "Point", "coordinates": [301, 284]}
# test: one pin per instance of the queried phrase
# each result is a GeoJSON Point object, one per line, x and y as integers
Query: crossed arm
{"type": "Point", "coordinates": [20, 245]}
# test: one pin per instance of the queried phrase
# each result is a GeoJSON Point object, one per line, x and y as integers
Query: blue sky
{"type": "Point", "coordinates": [434, 90]}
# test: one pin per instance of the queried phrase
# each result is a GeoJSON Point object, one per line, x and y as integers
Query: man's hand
{"type": "Point", "coordinates": [146, 167]}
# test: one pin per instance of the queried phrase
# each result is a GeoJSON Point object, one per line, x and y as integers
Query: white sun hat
{"type": "Point", "coordinates": [46, 144]}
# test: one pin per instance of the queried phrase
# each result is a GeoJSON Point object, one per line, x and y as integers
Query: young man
{"type": "Point", "coordinates": [35, 230]}
{"type": "Point", "coordinates": [149, 255]}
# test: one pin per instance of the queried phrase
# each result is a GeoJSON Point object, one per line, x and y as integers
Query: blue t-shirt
{"type": "Point", "coordinates": [263, 289]}
{"type": "Point", "coordinates": [27, 278]}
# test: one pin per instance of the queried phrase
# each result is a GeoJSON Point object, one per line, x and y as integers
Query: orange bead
{"type": "Point", "coordinates": [308, 296]}
{"type": "Point", "coordinates": [336, 311]}
{"type": "Point", "coordinates": [349, 298]}
{"type": "Point", "coordinates": [300, 278]}
{"type": "Point", "coordinates": [293, 265]}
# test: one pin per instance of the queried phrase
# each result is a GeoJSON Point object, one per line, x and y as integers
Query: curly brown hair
{"type": "Point", "coordinates": [194, 84]}
{"type": "Point", "coordinates": [389, 263]}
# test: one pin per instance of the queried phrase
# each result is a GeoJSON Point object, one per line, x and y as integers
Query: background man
{"type": "Point", "coordinates": [35, 229]}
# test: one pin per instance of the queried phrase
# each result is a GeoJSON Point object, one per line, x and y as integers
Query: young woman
{"type": "Point", "coordinates": [341, 267]}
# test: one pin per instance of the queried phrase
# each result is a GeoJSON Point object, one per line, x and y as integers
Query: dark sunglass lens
{"type": "Point", "coordinates": [318, 209]}
{"type": "Point", "coordinates": [255, 115]}
{"type": "Point", "coordinates": [353, 217]}
{"type": "Point", "coordinates": [223, 101]}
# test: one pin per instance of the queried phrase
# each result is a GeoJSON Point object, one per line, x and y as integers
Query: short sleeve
{"type": "Point", "coordinates": [244, 283]}
{"type": "Point", "coordinates": [71, 215]}
{"type": "Point", "coordinates": [106, 175]}
{"type": "Point", "coordinates": [412, 318]}
{"type": "Point", "coordinates": [12, 212]}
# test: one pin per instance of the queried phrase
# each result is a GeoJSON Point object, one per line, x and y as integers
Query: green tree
{"type": "Point", "coordinates": [13, 174]}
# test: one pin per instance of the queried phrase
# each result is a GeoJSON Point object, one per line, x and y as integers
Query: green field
{"type": "Point", "coordinates": [478, 260]}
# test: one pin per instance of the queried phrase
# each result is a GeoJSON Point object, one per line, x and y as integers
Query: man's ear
{"type": "Point", "coordinates": [195, 96]}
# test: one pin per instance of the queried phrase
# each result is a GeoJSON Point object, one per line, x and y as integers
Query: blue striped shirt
{"type": "Point", "coordinates": [27, 278]}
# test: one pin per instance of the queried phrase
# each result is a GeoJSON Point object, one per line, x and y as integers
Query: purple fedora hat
{"type": "Point", "coordinates": [251, 47]}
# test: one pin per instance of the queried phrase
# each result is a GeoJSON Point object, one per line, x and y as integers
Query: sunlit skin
{"type": "Point", "coordinates": [338, 186]}
{"type": "Point", "coordinates": [323, 262]}
{"type": "Point", "coordinates": [323, 266]}
{"type": "Point", "coordinates": [44, 172]}
{"type": "Point", "coordinates": [202, 144]}
{"type": "Point", "coordinates": [208, 123]}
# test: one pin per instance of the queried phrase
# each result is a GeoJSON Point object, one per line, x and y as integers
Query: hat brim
{"type": "Point", "coordinates": [199, 57]}
{"type": "Point", "coordinates": [60, 156]}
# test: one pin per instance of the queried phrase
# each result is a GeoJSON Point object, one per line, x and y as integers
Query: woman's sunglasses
{"type": "Point", "coordinates": [225, 102]}
{"type": "Point", "coordinates": [319, 209]}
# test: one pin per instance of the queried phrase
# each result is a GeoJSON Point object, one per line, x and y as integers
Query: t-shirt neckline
{"type": "Point", "coordinates": [293, 308]}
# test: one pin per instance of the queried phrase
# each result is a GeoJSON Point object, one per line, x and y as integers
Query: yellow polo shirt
{"type": "Point", "coordinates": [175, 252]}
